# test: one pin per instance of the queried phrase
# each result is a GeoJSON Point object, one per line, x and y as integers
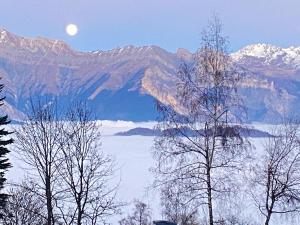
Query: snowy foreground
{"type": "Point", "coordinates": [133, 156]}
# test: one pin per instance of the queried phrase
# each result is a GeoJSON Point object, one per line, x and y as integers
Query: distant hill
{"type": "Point", "coordinates": [245, 132]}
{"type": "Point", "coordinates": [123, 83]}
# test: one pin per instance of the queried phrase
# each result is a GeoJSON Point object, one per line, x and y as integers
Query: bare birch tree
{"type": "Point", "coordinates": [200, 147]}
{"type": "Point", "coordinates": [38, 143]}
{"type": "Point", "coordinates": [86, 172]}
{"type": "Point", "coordinates": [275, 185]}
{"type": "Point", "coordinates": [176, 206]}
{"type": "Point", "coordinates": [141, 215]}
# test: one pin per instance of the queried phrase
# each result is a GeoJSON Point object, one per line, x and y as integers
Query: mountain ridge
{"type": "Point", "coordinates": [123, 83]}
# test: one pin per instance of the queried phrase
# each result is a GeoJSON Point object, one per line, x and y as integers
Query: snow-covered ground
{"type": "Point", "coordinates": [133, 155]}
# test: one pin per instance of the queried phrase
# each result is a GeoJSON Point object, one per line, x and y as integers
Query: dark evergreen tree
{"type": "Point", "coordinates": [4, 162]}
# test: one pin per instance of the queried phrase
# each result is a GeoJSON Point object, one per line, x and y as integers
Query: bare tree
{"type": "Point", "coordinates": [200, 147]}
{"type": "Point", "coordinates": [140, 216]}
{"type": "Point", "coordinates": [233, 220]}
{"type": "Point", "coordinates": [72, 174]}
{"type": "Point", "coordinates": [275, 185]}
{"type": "Point", "coordinates": [86, 172]}
{"type": "Point", "coordinates": [38, 143]}
{"type": "Point", "coordinates": [24, 206]}
{"type": "Point", "coordinates": [176, 206]}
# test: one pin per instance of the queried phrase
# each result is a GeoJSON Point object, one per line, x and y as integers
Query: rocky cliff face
{"type": "Point", "coordinates": [123, 83]}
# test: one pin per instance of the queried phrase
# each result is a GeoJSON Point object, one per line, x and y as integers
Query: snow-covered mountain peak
{"type": "Point", "coordinates": [6, 36]}
{"type": "Point", "coordinates": [128, 50]}
{"type": "Point", "coordinates": [270, 55]}
{"type": "Point", "coordinates": [258, 50]}
{"type": "Point", "coordinates": [3, 34]}
{"type": "Point", "coordinates": [39, 44]}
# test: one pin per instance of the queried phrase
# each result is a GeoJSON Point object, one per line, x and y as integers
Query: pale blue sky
{"type": "Point", "coordinates": [106, 24]}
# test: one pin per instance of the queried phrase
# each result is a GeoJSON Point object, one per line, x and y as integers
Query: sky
{"type": "Point", "coordinates": [170, 24]}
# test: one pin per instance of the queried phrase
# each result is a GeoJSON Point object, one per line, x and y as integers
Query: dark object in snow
{"type": "Point", "coordinates": [244, 132]}
{"type": "Point", "coordinates": [162, 222]}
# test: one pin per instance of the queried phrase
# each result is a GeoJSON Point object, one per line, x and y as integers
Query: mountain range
{"type": "Point", "coordinates": [123, 83]}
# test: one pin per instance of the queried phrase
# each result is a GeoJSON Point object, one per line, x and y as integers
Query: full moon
{"type": "Point", "coordinates": [71, 29]}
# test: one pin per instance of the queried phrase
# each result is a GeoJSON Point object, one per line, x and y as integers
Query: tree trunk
{"type": "Point", "coordinates": [50, 220]}
{"type": "Point", "coordinates": [268, 219]}
{"type": "Point", "coordinates": [80, 210]}
{"type": "Point", "coordinates": [270, 210]}
{"type": "Point", "coordinates": [208, 177]}
{"type": "Point", "coordinates": [79, 218]}
{"type": "Point", "coordinates": [209, 198]}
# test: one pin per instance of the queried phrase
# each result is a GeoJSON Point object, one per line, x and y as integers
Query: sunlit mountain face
{"type": "Point", "coordinates": [124, 83]}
